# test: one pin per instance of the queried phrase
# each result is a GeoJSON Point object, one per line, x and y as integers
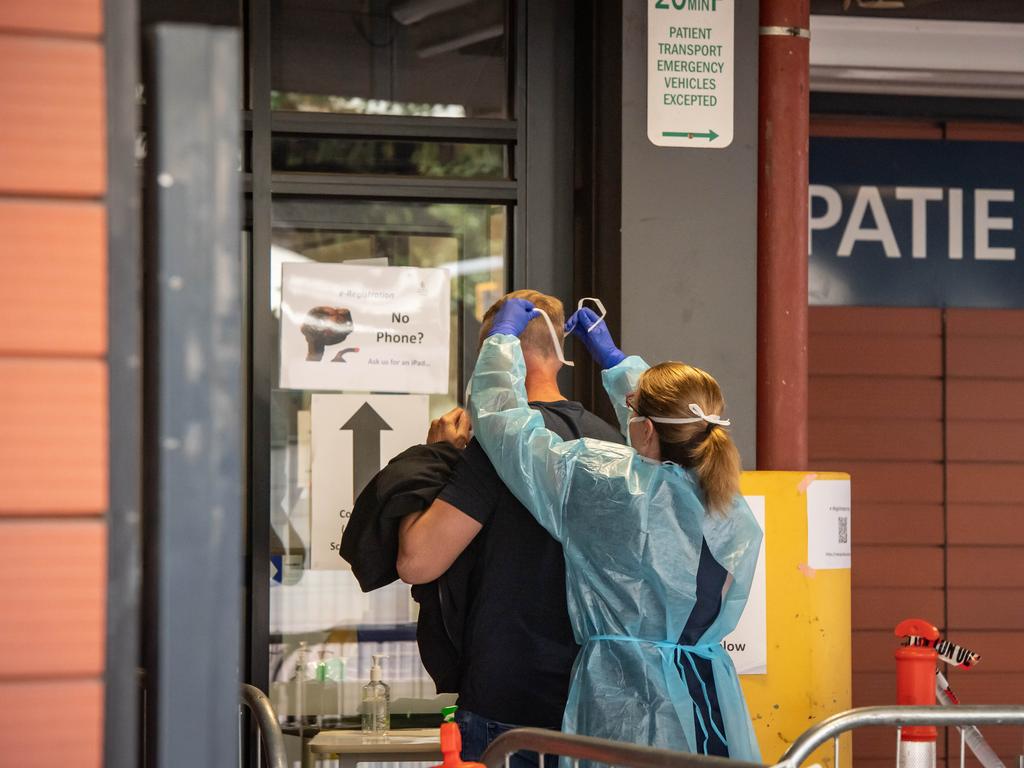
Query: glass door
{"type": "Point", "coordinates": [390, 134]}
{"type": "Point", "coordinates": [323, 629]}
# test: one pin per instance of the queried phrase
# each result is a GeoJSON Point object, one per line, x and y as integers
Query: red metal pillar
{"type": "Point", "coordinates": [783, 115]}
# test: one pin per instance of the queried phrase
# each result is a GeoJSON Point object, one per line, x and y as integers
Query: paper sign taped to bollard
{"type": "Point", "coordinates": [748, 643]}
{"type": "Point", "coordinates": [690, 72]}
{"type": "Point", "coordinates": [367, 329]}
{"type": "Point", "coordinates": [828, 524]}
{"type": "Point", "coordinates": [353, 436]}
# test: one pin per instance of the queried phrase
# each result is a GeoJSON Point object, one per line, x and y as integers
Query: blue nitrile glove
{"type": "Point", "coordinates": [513, 317]}
{"type": "Point", "coordinates": [599, 342]}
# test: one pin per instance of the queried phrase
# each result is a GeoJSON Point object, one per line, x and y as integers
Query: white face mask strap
{"type": "Point", "coordinates": [710, 418]}
{"type": "Point", "coordinates": [554, 339]}
{"type": "Point", "coordinates": [699, 415]}
{"type": "Point", "coordinates": [600, 308]}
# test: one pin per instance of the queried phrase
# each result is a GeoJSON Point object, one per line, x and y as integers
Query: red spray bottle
{"type": "Point", "coordinates": [451, 743]}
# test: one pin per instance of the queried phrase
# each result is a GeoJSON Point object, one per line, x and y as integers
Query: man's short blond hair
{"type": "Point", "coordinates": [536, 336]}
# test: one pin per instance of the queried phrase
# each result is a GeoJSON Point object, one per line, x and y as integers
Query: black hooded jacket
{"type": "Point", "coordinates": [410, 483]}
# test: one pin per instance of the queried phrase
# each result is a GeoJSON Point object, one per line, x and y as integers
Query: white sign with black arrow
{"type": "Point", "coordinates": [353, 436]}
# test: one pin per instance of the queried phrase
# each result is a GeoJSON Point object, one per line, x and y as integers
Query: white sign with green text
{"type": "Point", "coordinates": [690, 56]}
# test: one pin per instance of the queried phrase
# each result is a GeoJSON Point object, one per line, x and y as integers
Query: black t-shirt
{"type": "Point", "coordinates": [518, 648]}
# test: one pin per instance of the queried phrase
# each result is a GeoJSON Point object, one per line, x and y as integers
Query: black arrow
{"type": "Point", "coordinates": [366, 425]}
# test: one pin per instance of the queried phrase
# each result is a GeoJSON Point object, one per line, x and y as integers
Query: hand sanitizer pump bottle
{"type": "Point", "coordinates": [376, 702]}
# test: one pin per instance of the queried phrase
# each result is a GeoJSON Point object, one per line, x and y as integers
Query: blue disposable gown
{"type": "Point", "coordinates": [632, 531]}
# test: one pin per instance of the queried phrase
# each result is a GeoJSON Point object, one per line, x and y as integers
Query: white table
{"type": "Point", "coordinates": [406, 745]}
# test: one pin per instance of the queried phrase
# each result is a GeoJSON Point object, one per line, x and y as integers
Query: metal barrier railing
{"type": "Point", "coordinates": [266, 725]}
{"type": "Point", "coordinates": [893, 716]}
{"type": "Point", "coordinates": [578, 748]}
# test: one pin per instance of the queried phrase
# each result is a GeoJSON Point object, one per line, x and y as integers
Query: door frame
{"type": "Point", "coordinates": [539, 193]}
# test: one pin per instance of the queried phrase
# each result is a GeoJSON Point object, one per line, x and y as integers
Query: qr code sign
{"type": "Point", "coordinates": [844, 530]}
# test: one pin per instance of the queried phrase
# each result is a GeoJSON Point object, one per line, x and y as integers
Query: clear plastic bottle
{"type": "Point", "coordinates": [298, 682]}
{"type": "Point", "coordinates": [376, 707]}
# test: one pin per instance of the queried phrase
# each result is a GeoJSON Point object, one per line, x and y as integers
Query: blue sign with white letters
{"type": "Point", "coordinates": [916, 223]}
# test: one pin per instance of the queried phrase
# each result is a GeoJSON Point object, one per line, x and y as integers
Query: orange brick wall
{"type": "Point", "coordinates": [53, 382]}
{"type": "Point", "coordinates": [925, 409]}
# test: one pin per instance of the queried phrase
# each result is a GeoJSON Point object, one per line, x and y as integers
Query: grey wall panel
{"type": "Point", "coordinates": [549, 126]}
{"type": "Point", "coordinates": [544, 217]}
{"type": "Point", "coordinates": [124, 316]}
{"type": "Point", "coordinates": [689, 233]}
{"type": "Point", "coordinates": [194, 397]}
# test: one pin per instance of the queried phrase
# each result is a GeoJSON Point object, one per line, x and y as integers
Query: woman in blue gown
{"type": "Point", "coordinates": [660, 547]}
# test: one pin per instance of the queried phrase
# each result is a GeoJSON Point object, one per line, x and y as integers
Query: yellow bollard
{"type": "Point", "coordinates": [808, 621]}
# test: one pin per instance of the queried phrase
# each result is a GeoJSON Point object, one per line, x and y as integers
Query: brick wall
{"type": "Point", "coordinates": [925, 409]}
{"type": "Point", "coordinates": [53, 382]}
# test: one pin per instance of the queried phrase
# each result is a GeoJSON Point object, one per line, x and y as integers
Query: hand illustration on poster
{"type": "Point", "coordinates": [364, 328]}
{"type": "Point", "coordinates": [324, 327]}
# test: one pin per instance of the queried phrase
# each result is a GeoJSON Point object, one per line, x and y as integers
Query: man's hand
{"type": "Point", "coordinates": [454, 427]}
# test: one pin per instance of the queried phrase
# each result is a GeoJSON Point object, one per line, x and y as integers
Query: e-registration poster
{"type": "Point", "coordinates": [364, 329]}
{"type": "Point", "coordinates": [828, 524]}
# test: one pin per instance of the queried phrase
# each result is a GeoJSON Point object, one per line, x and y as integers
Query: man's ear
{"type": "Point", "coordinates": [650, 433]}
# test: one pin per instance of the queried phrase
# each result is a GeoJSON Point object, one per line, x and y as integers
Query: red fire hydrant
{"type": "Point", "coordinates": [916, 661]}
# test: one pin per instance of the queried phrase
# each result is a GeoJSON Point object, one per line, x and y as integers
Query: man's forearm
{"type": "Point", "coordinates": [430, 541]}
{"type": "Point", "coordinates": [410, 568]}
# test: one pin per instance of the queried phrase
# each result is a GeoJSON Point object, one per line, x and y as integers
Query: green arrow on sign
{"type": "Point", "coordinates": [710, 135]}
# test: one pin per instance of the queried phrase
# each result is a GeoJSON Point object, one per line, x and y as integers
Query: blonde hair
{"type": "Point", "coordinates": [536, 337]}
{"type": "Point", "coordinates": [667, 390]}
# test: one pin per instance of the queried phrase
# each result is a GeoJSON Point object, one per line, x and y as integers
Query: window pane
{"type": "Point", "coordinates": [382, 156]}
{"type": "Point", "coordinates": [323, 629]}
{"type": "Point", "coordinates": [442, 58]}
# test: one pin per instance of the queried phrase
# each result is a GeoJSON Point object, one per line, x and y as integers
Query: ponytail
{"type": "Point", "coordinates": [717, 463]}
{"type": "Point", "coordinates": [666, 390]}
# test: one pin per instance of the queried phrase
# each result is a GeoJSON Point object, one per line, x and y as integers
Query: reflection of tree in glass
{"type": "Point", "coordinates": [466, 161]}
{"type": "Point", "coordinates": [319, 102]}
{"type": "Point", "coordinates": [404, 158]}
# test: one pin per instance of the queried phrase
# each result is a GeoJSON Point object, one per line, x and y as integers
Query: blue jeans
{"type": "Point", "coordinates": [478, 732]}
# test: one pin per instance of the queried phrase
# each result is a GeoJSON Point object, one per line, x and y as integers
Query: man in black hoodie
{"type": "Point", "coordinates": [517, 646]}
